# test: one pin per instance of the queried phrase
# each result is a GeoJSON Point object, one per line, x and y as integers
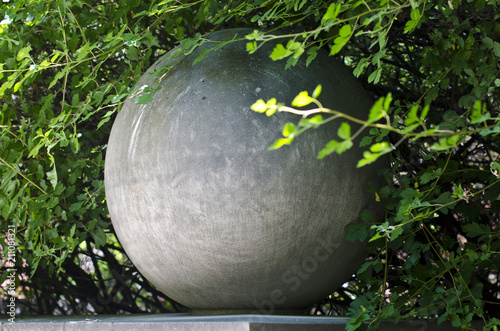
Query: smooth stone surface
{"type": "Point", "coordinates": [209, 215]}
{"type": "Point", "coordinates": [182, 322]}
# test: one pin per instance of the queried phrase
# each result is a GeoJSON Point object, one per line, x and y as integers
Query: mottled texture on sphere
{"type": "Point", "coordinates": [209, 215]}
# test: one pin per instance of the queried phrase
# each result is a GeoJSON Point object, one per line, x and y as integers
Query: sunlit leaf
{"type": "Point", "coordinates": [52, 176]}
{"type": "Point", "coordinates": [259, 106]}
{"type": "Point", "coordinates": [288, 129]}
{"type": "Point", "coordinates": [280, 52]}
{"type": "Point", "coordinates": [317, 91]}
{"type": "Point", "coordinates": [143, 99]}
{"type": "Point", "coordinates": [344, 131]}
{"type": "Point", "coordinates": [302, 99]}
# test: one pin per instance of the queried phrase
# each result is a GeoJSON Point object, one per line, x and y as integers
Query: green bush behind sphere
{"type": "Point", "coordinates": [67, 67]}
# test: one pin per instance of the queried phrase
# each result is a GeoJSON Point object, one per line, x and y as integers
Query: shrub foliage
{"type": "Point", "coordinates": [67, 66]}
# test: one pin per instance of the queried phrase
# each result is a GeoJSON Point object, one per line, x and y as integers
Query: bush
{"type": "Point", "coordinates": [67, 66]}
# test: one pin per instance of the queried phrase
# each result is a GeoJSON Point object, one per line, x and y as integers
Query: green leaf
{"type": "Point", "coordinates": [335, 146]}
{"type": "Point", "coordinates": [74, 144]}
{"type": "Point", "coordinates": [475, 230]}
{"type": "Point", "coordinates": [271, 102]}
{"type": "Point", "coordinates": [337, 46]}
{"type": "Point", "coordinates": [58, 76]}
{"type": "Point", "coordinates": [103, 121]}
{"type": "Point", "coordinates": [330, 147]}
{"type": "Point", "coordinates": [479, 113]}
{"type": "Point", "coordinates": [362, 64]}
{"type": "Point", "coordinates": [375, 76]}
{"type": "Point", "coordinates": [251, 47]}
{"type": "Point", "coordinates": [270, 111]}
{"type": "Point", "coordinates": [314, 121]}
{"type": "Point", "coordinates": [52, 176]}
{"type": "Point", "coordinates": [396, 233]}
{"type": "Point", "coordinates": [380, 147]}
{"type": "Point", "coordinates": [143, 99]}
{"type": "Point", "coordinates": [293, 45]}
{"type": "Point", "coordinates": [332, 12]}
{"type": "Point", "coordinates": [132, 39]}
{"type": "Point", "coordinates": [302, 99]}
{"type": "Point", "coordinates": [493, 45]}
{"type": "Point", "coordinates": [446, 143]}
{"type": "Point", "coordinates": [72, 231]}
{"type": "Point", "coordinates": [99, 237]}
{"type": "Point", "coordinates": [82, 52]}
{"type": "Point", "coordinates": [288, 129]}
{"type": "Point", "coordinates": [355, 322]}
{"type": "Point", "coordinates": [280, 52]}
{"type": "Point", "coordinates": [356, 231]}
{"type": "Point", "coordinates": [259, 106]}
{"type": "Point", "coordinates": [344, 146]}
{"type": "Point", "coordinates": [339, 42]}
{"type": "Point", "coordinates": [292, 61]}
{"type": "Point", "coordinates": [428, 176]}
{"type": "Point", "coordinates": [17, 86]}
{"type": "Point", "coordinates": [413, 22]}
{"type": "Point", "coordinates": [367, 140]}
{"type": "Point", "coordinates": [317, 91]}
{"type": "Point", "coordinates": [23, 53]}
{"type": "Point", "coordinates": [455, 320]}
{"type": "Point", "coordinates": [376, 151]}
{"type": "Point", "coordinates": [201, 56]}
{"type": "Point", "coordinates": [344, 131]}
{"type": "Point", "coordinates": [376, 236]}
{"type": "Point", "coordinates": [190, 44]}
{"type": "Point", "coordinates": [377, 111]}
{"type": "Point", "coordinates": [345, 31]}
{"type": "Point", "coordinates": [452, 120]}
{"type": "Point", "coordinates": [368, 157]}
{"type": "Point", "coordinates": [412, 115]}
{"type": "Point", "coordinates": [424, 113]}
{"type": "Point", "coordinates": [117, 98]}
{"type": "Point", "coordinates": [432, 94]}
{"type": "Point", "coordinates": [271, 106]}
{"type": "Point", "coordinates": [387, 101]}
{"type": "Point", "coordinates": [255, 35]}
{"type": "Point", "coordinates": [280, 143]}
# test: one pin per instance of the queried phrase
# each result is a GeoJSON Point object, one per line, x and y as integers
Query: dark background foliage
{"type": "Point", "coordinates": [67, 66]}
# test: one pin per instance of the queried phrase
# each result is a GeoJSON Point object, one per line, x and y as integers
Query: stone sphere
{"type": "Point", "coordinates": [206, 212]}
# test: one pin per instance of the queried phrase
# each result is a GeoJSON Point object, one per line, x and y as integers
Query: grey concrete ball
{"type": "Point", "coordinates": [206, 212]}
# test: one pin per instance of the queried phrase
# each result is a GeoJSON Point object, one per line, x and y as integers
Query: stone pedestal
{"type": "Point", "coordinates": [186, 322]}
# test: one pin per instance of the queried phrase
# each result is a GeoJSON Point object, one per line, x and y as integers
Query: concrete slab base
{"type": "Point", "coordinates": [188, 322]}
